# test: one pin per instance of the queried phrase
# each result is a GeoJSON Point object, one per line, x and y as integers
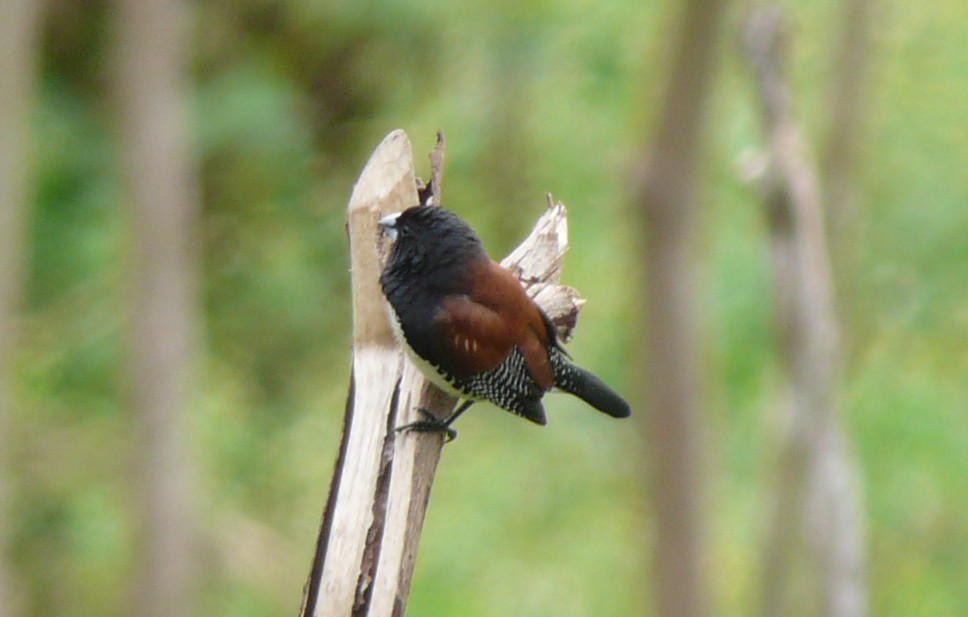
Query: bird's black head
{"type": "Point", "coordinates": [429, 240]}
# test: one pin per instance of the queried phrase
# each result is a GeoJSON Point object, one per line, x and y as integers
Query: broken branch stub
{"type": "Point", "coordinates": [367, 544]}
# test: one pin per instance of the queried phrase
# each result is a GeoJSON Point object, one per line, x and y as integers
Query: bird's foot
{"type": "Point", "coordinates": [430, 424]}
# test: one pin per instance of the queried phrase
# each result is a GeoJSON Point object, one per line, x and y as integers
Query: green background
{"type": "Point", "coordinates": [287, 101]}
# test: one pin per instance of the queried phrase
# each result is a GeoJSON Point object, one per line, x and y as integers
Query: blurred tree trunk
{"type": "Point", "coordinates": [817, 501]}
{"type": "Point", "coordinates": [665, 193]}
{"type": "Point", "coordinates": [151, 61]}
{"type": "Point", "coordinates": [19, 30]}
{"type": "Point", "coordinates": [837, 500]}
{"type": "Point", "coordinates": [839, 157]}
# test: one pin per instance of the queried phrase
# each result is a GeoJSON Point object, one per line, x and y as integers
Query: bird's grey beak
{"type": "Point", "coordinates": [389, 225]}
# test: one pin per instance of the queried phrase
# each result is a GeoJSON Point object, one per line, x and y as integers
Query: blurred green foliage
{"type": "Point", "coordinates": [289, 98]}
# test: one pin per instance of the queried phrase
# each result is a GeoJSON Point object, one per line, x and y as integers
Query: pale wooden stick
{"type": "Point", "coordinates": [371, 524]}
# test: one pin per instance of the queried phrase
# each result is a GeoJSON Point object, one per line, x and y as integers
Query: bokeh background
{"type": "Point", "coordinates": [286, 100]}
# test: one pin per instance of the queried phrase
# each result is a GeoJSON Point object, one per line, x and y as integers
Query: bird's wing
{"type": "Point", "coordinates": [473, 337]}
{"type": "Point", "coordinates": [481, 328]}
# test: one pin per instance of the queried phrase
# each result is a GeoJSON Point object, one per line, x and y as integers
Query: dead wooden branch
{"type": "Point", "coordinates": [380, 489]}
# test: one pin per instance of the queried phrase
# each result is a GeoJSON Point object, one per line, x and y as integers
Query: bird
{"type": "Point", "coordinates": [468, 325]}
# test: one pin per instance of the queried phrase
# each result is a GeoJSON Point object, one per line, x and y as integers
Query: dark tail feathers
{"type": "Point", "coordinates": [592, 390]}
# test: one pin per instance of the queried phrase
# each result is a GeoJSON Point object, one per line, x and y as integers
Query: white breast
{"type": "Point", "coordinates": [426, 368]}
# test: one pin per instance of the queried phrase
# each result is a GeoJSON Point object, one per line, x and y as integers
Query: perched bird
{"type": "Point", "coordinates": [469, 326]}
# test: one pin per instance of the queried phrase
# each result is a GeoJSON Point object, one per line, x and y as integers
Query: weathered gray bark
{"type": "Point", "coordinates": [19, 28]}
{"type": "Point", "coordinates": [374, 514]}
{"type": "Point", "coordinates": [817, 499]}
{"type": "Point", "coordinates": [671, 428]}
{"type": "Point", "coordinates": [151, 58]}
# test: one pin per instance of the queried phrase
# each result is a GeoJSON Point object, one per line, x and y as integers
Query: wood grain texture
{"type": "Point", "coordinates": [371, 526]}
{"type": "Point", "coordinates": [387, 184]}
